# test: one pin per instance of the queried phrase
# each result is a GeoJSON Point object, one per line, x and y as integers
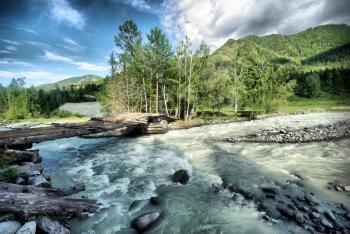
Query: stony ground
{"type": "Point", "coordinates": [335, 131]}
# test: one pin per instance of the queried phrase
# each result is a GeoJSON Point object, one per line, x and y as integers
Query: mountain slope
{"type": "Point", "coordinates": [75, 81]}
{"type": "Point", "coordinates": [326, 45]}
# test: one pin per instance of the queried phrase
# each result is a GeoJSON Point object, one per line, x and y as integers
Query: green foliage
{"type": "Point", "coordinates": [10, 175]}
{"type": "Point", "coordinates": [76, 82]}
{"type": "Point", "coordinates": [311, 87]}
{"type": "Point", "coordinates": [62, 114]}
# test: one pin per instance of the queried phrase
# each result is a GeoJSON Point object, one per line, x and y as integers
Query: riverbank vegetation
{"type": "Point", "coordinates": [276, 73]}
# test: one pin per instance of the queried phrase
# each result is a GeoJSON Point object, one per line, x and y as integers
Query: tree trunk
{"type": "Point", "coordinates": [145, 93]}
{"type": "Point", "coordinates": [165, 101]}
{"type": "Point", "coordinates": [157, 88]}
{"type": "Point", "coordinates": [29, 204]}
{"type": "Point", "coordinates": [178, 110]}
{"type": "Point", "coordinates": [189, 90]}
{"type": "Point", "coordinates": [10, 156]}
{"type": "Point", "coordinates": [54, 192]}
{"type": "Point", "coordinates": [150, 97]}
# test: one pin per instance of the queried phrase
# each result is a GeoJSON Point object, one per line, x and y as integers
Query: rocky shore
{"type": "Point", "coordinates": [318, 133]}
{"type": "Point", "coordinates": [287, 202]}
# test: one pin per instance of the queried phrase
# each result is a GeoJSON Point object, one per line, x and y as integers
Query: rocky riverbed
{"type": "Point", "coordinates": [317, 133]}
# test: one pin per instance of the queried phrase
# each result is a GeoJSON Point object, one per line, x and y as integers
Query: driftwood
{"type": "Point", "coordinates": [129, 124]}
{"type": "Point", "coordinates": [55, 192]}
{"type": "Point", "coordinates": [10, 156]}
{"type": "Point", "coordinates": [29, 204]}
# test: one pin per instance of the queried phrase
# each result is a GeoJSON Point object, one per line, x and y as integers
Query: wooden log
{"type": "Point", "coordinates": [11, 156]}
{"type": "Point", "coordinates": [53, 192]}
{"type": "Point", "coordinates": [29, 204]}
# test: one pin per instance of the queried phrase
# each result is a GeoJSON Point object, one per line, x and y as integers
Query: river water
{"type": "Point", "coordinates": [118, 171]}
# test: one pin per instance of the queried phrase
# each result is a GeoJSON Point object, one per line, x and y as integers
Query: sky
{"type": "Point", "coordinates": [50, 40]}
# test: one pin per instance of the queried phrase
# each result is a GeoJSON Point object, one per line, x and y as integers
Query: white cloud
{"type": "Point", "coordinates": [5, 52]}
{"type": "Point", "coordinates": [82, 65]}
{"type": "Point", "coordinates": [11, 48]}
{"type": "Point", "coordinates": [216, 21]}
{"type": "Point", "coordinates": [71, 45]}
{"type": "Point", "coordinates": [38, 44]}
{"type": "Point", "coordinates": [10, 42]}
{"type": "Point", "coordinates": [140, 5]}
{"type": "Point", "coordinates": [13, 62]}
{"type": "Point", "coordinates": [62, 11]}
{"type": "Point", "coordinates": [32, 77]}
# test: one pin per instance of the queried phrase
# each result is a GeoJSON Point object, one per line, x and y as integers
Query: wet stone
{"type": "Point", "coordinates": [311, 199]}
{"type": "Point", "coordinates": [329, 214]}
{"type": "Point", "coordinates": [315, 215]}
{"type": "Point", "coordinates": [326, 223]}
{"type": "Point", "coordinates": [286, 212]}
{"type": "Point", "coordinates": [299, 218]}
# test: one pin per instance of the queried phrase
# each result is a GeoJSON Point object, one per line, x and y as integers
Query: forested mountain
{"type": "Point", "coordinates": [326, 45]}
{"type": "Point", "coordinates": [79, 81]}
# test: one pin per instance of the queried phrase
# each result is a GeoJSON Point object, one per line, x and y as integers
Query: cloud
{"type": "Point", "coordinates": [38, 44]}
{"type": "Point", "coordinates": [11, 48]}
{"type": "Point", "coordinates": [82, 65]}
{"type": "Point", "coordinates": [140, 5]}
{"type": "Point", "coordinates": [71, 45]}
{"type": "Point", "coordinates": [62, 11]}
{"type": "Point", "coordinates": [217, 21]}
{"type": "Point", "coordinates": [5, 52]}
{"type": "Point", "coordinates": [13, 62]}
{"type": "Point", "coordinates": [10, 42]}
{"type": "Point", "coordinates": [32, 76]}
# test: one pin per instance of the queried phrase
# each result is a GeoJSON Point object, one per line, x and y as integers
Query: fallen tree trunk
{"type": "Point", "coordinates": [54, 192]}
{"type": "Point", "coordinates": [28, 204]}
{"type": "Point", "coordinates": [11, 156]}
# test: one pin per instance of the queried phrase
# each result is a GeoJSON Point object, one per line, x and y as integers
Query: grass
{"type": "Point", "coordinates": [326, 102]}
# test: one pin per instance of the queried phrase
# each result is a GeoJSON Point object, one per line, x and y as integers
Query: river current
{"type": "Point", "coordinates": [118, 171]}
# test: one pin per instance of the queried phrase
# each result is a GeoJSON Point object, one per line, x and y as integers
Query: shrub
{"type": "Point", "coordinates": [311, 87]}
{"type": "Point", "coordinates": [10, 175]}
{"type": "Point", "coordinates": [62, 114]}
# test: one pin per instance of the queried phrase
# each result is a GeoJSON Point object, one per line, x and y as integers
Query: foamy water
{"type": "Point", "coordinates": [118, 171]}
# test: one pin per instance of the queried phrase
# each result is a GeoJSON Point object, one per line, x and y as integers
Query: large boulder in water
{"type": "Point", "coordinates": [146, 221]}
{"type": "Point", "coordinates": [181, 176]}
{"type": "Point", "coordinates": [9, 227]}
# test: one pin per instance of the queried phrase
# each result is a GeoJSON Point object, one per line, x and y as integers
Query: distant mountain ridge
{"type": "Point", "coordinates": [314, 48]}
{"type": "Point", "coordinates": [75, 81]}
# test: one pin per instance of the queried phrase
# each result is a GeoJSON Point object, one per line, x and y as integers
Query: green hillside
{"type": "Point", "coordinates": [78, 81]}
{"type": "Point", "coordinates": [319, 47]}
{"type": "Point", "coordinates": [322, 52]}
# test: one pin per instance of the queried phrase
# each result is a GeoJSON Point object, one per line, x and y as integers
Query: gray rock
{"type": "Point", "coordinates": [181, 176]}
{"type": "Point", "coordinates": [146, 221]}
{"type": "Point", "coordinates": [38, 181]}
{"type": "Point", "coordinates": [9, 227]}
{"type": "Point", "coordinates": [27, 228]}
{"type": "Point", "coordinates": [51, 226]}
{"type": "Point", "coordinates": [327, 224]}
{"type": "Point", "coordinates": [315, 215]}
{"type": "Point", "coordinates": [312, 199]}
{"type": "Point", "coordinates": [286, 212]}
{"type": "Point", "coordinates": [329, 214]}
{"type": "Point", "coordinates": [299, 218]}
{"type": "Point", "coordinates": [20, 180]}
{"type": "Point", "coordinates": [270, 189]}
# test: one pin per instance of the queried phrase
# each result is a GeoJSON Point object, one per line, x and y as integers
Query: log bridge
{"type": "Point", "coordinates": [126, 124]}
{"type": "Point", "coordinates": [30, 195]}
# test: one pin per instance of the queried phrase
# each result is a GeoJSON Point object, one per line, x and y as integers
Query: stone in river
{"type": "Point", "coordinates": [286, 212]}
{"type": "Point", "coordinates": [330, 215]}
{"type": "Point", "coordinates": [155, 200]}
{"type": "Point", "coordinates": [27, 228]}
{"type": "Point", "coordinates": [346, 188]}
{"type": "Point", "coordinates": [326, 223]}
{"type": "Point", "coordinates": [270, 189]}
{"type": "Point", "coordinates": [9, 227]}
{"type": "Point", "coordinates": [146, 221]}
{"type": "Point", "coordinates": [181, 176]}
{"type": "Point", "coordinates": [312, 199]}
{"type": "Point", "coordinates": [299, 218]}
{"type": "Point", "coordinates": [338, 188]}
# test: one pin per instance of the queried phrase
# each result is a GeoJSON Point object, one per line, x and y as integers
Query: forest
{"type": "Point", "coordinates": [148, 74]}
